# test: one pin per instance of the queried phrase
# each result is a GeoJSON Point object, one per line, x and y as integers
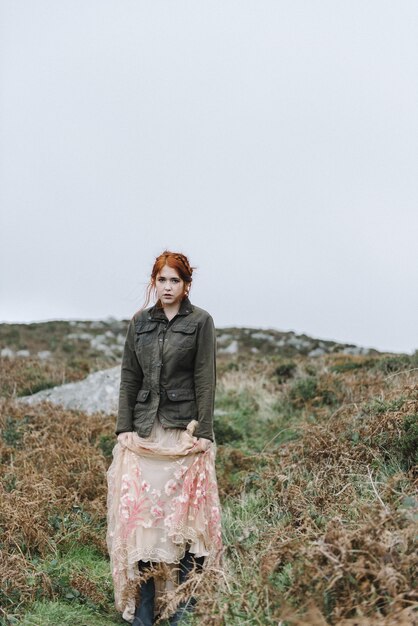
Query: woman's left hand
{"type": "Point", "coordinates": [202, 444]}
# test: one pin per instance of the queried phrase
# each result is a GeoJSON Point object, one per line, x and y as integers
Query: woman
{"type": "Point", "coordinates": [163, 504]}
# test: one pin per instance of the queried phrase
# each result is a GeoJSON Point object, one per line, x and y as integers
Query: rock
{"type": "Point", "coordinates": [316, 352]}
{"type": "Point", "coordinates": [44, 354]}
{"type": "Point", "coordinates": [262, 336]}
{"type": "Point", "coordinates": [23, 353]}
{"type": "Point", "coordinates": [355, 350]}
{"type": "Point", "coordinates": [98, 392]}
{"type": "Point", "coordinates": [7, 353]}
{"type": "Point", "coordinates": [224, 338]}
{"type": "Point", "coordinates": [298, 342]}
{"type": "Point", "coordinates": [80, 336]}
{"type": "Point", "coordinates": [98, 339]}
{"type": "Point", "coordinates": [96, 324]}
{"type": "Point", "coordinates": [231, 349]}
{"type": "Point", "coordinates": [120, 339]}
{"type": "Point", "coordinates": [78, 323]}
{"type": "Point", "coordinates": [98, 343]}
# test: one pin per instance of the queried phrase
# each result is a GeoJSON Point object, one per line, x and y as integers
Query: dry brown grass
{"type": "Point", "coordinates": [24, 376]}
{"type": "Point", "coordinates": [51, 467]}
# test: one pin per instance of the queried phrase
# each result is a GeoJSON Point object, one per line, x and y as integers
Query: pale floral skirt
{"type": "Point", "coordinates": [162, 499]}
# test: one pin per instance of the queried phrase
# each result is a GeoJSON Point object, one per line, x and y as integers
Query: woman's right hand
{"type": "Point", "coordinates": [124, 438]}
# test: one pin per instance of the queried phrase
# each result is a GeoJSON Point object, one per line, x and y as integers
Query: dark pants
{"type": "Point", "coordinates": [187, 564]}
{"type": "Point", "coordinates": [144, 613]}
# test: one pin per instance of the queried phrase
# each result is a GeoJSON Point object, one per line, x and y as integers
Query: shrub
{"type": "Point", "coordinates": [397, 363]}
{"type": "Point", "coordinates": [378, 405]}
{"type": "Point", "coordinates": [13, 431]}
{"type": "Point", "coordinates": [303, 390]}
{"type": "Point", "coordinates": [106, 445]}
{"type": "Point", "coordinates": [285, 370]}
{"type": "Point", "coordinates": [225, 431]}
{"type": "Point", "coordinates": [408, 442]}
{"type": "Point", "coordinates": [349, 364]}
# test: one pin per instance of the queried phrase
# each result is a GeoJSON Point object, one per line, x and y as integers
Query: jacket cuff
{"type": "Point", "coordinates": [123, 430]}
{"type": "Point", "coordinates": [202, 432]}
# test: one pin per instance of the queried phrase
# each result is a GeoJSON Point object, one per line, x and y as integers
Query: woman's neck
{"type": "Point", "coordinates": [171, 311]}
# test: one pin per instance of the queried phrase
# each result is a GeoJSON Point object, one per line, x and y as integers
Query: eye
{"type": "Point", "coordinates": [161, 279]}
{"type": "Point", "coordinates": [175, 280]}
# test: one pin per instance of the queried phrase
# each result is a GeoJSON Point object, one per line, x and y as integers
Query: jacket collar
{"type": "Point", "coordinates": [157, 313]}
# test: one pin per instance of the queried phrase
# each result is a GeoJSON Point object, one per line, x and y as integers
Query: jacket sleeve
{"type": "Point", "coordinates": [130, 383]}
{"type": "Point", "coordinates": [205, 378]}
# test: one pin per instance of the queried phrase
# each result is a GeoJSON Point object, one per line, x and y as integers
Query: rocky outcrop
{"type": "Point", "coordinates": [98, 392]}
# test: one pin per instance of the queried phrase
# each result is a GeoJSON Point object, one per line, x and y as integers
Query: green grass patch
{"type": "Point", "coordinates": [348, 364]}
{"type": "Point", "coordinates": [79, 575]}
{"type": "Point", "coordinates": [397, 363]}
{"type": "Point", "coordinates": [303, 390]}
{"type": "Point", "coordinates": [400, 449]}
{"type": "Point", "coordinates": [59, 613]}
{"type": "Point", "coordinates": [380, 405]}
{"type": "Point", "coordinates": [241, 422]}
{"type": "Point", "coordinates": [237, 413]}
{"type": "Point", "coordinates": [13, 431]}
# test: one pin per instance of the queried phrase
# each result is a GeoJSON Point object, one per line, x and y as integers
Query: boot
{"type": "Point", "coordinates": [187, 563]}
{"type": "Point", "coordinates": [144, 612]}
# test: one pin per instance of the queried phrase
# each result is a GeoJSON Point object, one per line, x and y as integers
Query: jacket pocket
{"type": "Point", "coordinates": [144, 333]}
{"type": "Point", "coordinates": [179, 395]}
{"type": "Point", "coordinates": [184, 335]}
{"type": "Point", "coordinates": [182, 404]}
{"type": "Point", "coordinates": [141, 409]}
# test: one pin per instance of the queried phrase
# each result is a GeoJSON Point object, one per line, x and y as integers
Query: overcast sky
{"type": "Point", "coordinates": [274, 142]}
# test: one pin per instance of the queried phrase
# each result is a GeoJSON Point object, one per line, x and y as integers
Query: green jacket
{"type": "Point", "coordinates": [169, 369]}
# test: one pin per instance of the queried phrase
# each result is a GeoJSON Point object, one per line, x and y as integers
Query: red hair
{"type": "Point", "coordinates": [177, 261]}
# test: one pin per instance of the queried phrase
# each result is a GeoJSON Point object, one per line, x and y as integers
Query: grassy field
{"type": "Point", "coordinates": [317, 475]}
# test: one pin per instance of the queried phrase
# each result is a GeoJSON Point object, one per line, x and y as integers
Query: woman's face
{"type": "Point", "coordinates": [169, 285]}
